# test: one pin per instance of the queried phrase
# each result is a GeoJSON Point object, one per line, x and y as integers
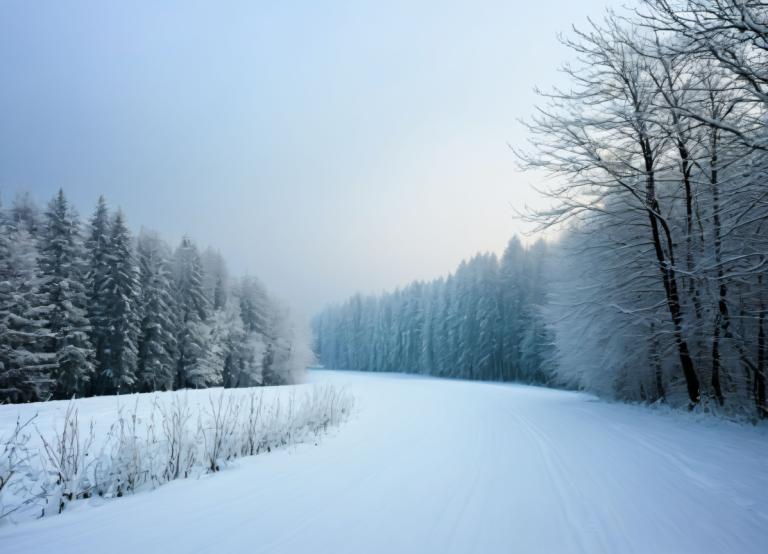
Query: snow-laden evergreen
{"type": "Point", "coordinates": [97, 249]}
{"type": "Point", "coordinates": [192, 367]}
{"type": "Point", "coordinates": [122, 297]}
{"type": "Point", "coordinates": [64, 325]}
{"type": "Point", "coordinates": [25, 375]}
{"type": "Point", "coordinates": [482, 322]}
{"type": "Point", "coordinates": [157, 333]}
{"type": "Point", "coordinates": [21, 376]}
{"type": "Point", "coordinates": [96, 311]}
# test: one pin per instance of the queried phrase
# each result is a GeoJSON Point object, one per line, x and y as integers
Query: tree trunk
{"type": "Point", "coordinates": [722, 318]}
{"type": "Point", "coordinates": [686, 171]}
{"type": "Point", "coordinates": [669, 279]}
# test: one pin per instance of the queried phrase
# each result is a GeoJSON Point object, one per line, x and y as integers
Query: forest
{"type": "Point", "coordinates": [653, 285]}
{"type": "Point", "coordinates": [92, 310]}
{"type": "Point", "coordinates": [481, 322]}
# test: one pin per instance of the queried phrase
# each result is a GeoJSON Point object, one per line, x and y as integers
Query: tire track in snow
{"type": "Point", "coordinates": [569, 496]}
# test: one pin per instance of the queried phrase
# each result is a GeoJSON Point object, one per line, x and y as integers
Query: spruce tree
{"type": "Point", "coordinates": [62, 284]}
{"type": "Point", "coordinates": [121, 294]}
{"type": "Point", "coordinates": [97, 247]}
{"type": "Point", "coordinates": [7, 388]}
{"type": "Point", "coordinates": [193, 314]}
{"type": "Point", "coordinates": [157, 336]}
{"type": "Point", "coordinates": [512, 300]}
{"type": "Point", "coordinates": [27, 363]}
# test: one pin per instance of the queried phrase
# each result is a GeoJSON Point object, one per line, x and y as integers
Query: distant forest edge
{"type": "Point", "coordinates": [656, 289]}
{"type": "Point", "coordinates": [481, 322]}
{"type": "Point", "coordinates": [90, 309]}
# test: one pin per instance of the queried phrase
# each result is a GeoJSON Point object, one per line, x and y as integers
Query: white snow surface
{"type": "Point", "coordinates": [428, 465]}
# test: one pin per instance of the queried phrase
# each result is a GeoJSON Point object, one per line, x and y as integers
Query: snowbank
{"type": "Point", "coordinates": [59, 452]}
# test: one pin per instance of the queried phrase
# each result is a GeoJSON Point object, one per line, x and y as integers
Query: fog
{"type": "Point", "coordinates": [328, 148]}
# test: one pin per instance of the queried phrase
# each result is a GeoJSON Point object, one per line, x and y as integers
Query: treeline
{"type": "Point", "coordinates": [658, 148]}
{"type": "Point", "coordinates": [91, 310]}
{"type": "Point", "coordinates": [481, 322]}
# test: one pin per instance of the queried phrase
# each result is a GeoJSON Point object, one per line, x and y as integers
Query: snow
{"type": "Point", "coordinates": [429, 465]}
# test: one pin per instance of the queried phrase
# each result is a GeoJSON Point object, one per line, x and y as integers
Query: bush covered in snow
{"type": "Point", "coordinates": [152, 440]}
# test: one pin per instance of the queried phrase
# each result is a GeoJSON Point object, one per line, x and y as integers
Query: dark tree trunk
{"type": "Point", "coordinates": [669, 279]}
{"type": "Point", "coordinates": [722, 318]}
{"type": "Point", "coordinates": [686, 171]}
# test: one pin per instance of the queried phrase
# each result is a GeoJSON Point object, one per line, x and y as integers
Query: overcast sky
{"type": "Point", "coordinates": [327, 147]}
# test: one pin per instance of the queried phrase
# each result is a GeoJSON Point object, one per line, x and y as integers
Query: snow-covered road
{"type": "Point", "coordinates": [427, 465]}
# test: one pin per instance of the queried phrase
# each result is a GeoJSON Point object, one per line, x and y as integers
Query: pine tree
{"type": "Point", "coordinates": [193, 314]}
{"type": "Point", "coordinates": [486, 293]}
{"type": "Point", "coordinates": [97, 247]}
{"type": "Point", "coordinates": [257, 314]}
{"type": "Point", "coordinates": [27, 364]}
{"type": "Point", "coordinates": [512, 300]}
{"type": "Point", "coordinates": [121, 295]}
{"type": "Point", "coordinates": [212, 366]}
{"type": "Point", "coordinates": [63, 288]}
{"type": "Point", "coordinates": [157, 337]}
{"type": "Point", "coordinates": [7, 387]}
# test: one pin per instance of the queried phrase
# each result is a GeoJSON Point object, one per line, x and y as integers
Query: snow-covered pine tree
{"type": "Point", "coordinates": [12, 388]}
{"type": "Point", "coordinates": [97, 251]}
{"type": "Point", "coordinates": [257, 311]}
{"type": "Point", "coordinates": [121, 296]}
{"type": "Point", "coordinates": [7, 387]}
{"type": "Point", "coordinates": [233, 343]}
{"type": "Point", "coordinates": [213, 363]}
{"type": "Point", "coordinates": [62, 284]}
{"type": "Point", "coordinates": [27, 366]}
{"type": "Point", "coordinates": [158, 326]}
{"type": "Point", "coordinates": [536, 344]}
{"type": "Point", "coordinates": [193, 315]}
{"type": "Point", "coordinates": [511, 299]}
{"type": "Point", "coordinates": [487, 356]}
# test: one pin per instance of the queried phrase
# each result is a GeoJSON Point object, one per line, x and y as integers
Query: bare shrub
{"type": "Point", "coordinates": [66, 459]}
{"type": "Point", "coordinates": [219, 431]}
{"type": "Point", "coordinates": [17, 469]}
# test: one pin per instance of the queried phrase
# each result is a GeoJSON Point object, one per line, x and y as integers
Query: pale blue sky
{"type": "Point", "coordinates": [327, 147]}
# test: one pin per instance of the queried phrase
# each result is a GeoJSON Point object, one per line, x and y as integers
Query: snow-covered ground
{"type": "Point", "coordinates": [428, 465]}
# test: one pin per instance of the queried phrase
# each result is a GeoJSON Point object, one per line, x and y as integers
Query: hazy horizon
{"type": "Point", "coordinates": [328, 150]}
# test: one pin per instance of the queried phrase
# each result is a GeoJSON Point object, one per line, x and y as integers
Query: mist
{"type": "Point", "coordinates": [328, 150]}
